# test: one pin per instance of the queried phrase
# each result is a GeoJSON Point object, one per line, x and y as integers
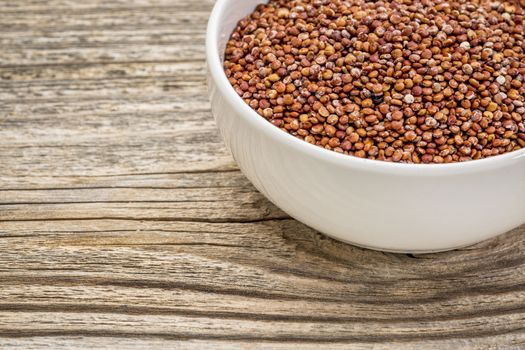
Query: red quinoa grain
{"type": "Point", "coordinates": [432, 81]}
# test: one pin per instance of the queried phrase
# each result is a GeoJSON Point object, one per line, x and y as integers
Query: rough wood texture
{"type": "Point", "coordinates": [124, 223]}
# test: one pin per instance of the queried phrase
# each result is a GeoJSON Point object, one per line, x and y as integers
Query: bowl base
{"type": "Point", "coordinates": [401, 251]}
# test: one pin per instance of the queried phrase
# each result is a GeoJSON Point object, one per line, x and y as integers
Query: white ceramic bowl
{"type": "Point", "coordinates": [374, 204]}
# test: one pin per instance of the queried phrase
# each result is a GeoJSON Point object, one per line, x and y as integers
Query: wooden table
{"type": "Point", "coordinates": [125, 223]}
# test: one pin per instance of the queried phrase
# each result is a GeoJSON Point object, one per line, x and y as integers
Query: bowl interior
{"type": "Point", "coordinates": [225, 16]}
{"type": "Point", "coordinates": [230, 13]}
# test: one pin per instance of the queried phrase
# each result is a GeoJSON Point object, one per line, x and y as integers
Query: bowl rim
{"type": "Point", "coordinates": [216, 72]}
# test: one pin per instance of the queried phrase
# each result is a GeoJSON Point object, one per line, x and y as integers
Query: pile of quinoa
{"type": "Point", "coordinates": [402, 81]}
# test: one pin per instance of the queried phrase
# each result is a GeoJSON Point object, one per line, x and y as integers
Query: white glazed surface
{"type": "Point", "coordinates": [379, 205]}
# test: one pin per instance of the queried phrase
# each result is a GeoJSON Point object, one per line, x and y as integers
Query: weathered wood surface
{"type": "Point", "coordinates": [124, 222]}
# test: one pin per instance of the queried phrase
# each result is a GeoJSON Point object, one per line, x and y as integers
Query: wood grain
{"type": "Point", "coordinates": [124, 222]}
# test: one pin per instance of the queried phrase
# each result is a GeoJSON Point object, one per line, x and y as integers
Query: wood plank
{"type": "Point", "coordinates": [159, 343]}
{"type": "Point", "coordinates": [125, 223]}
